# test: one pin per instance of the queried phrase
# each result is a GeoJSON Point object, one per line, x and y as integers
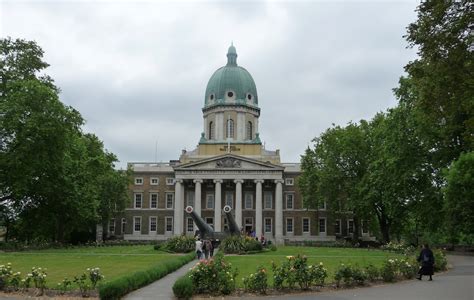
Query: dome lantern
{"type": "Point", "coordinates": [232, 56]}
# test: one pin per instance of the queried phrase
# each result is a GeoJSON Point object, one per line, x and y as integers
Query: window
{"type": "Point", "coordinates": [211, 130]}
{"type": "Point", "coordinates": [190, 198]}
{"type": "Point", "coordinates": [249, 130]}
{"type": "Point", "coordinates": [138, 180]}
{"type": "Point", "coordinates": [267, 200]}
{"type": "Point", "coordinates": [169, 181]}
{"type": "Point", "coordinates": [112, 226]}
{"type": "Point", "coordinates": [229, 198]}
{"type": "Point", "coordinates": [169, 224]}
{"type": "Point", "coordinates": [289, 181]}
{"type": "Point", "coordinates": [124, 223]}
{"type": "Point", "coordinates": [248, 201]}
{"type": "Point", "coordinates": [289, 225]}
{"type": "Point", "coordinates": [189, 225]}
{"type": "Point", "coordinates": [365, 227]}
{"type": "Point", "coordinates": [154, 181]}
{"type": "Point", "coordinates": [137, 224]}
{"type": "Point", "coordinates": [350, 226]}
{"type": "Point", "coordinates": [210, 201]}
{"type": "Point", "coordinates": [268, 225]}
{"type": "Point", "coordinates": [337, 227]}
{"type": "Point", "coordinates": [306, 226]}
{"type": "Point", "coordinates": [210, 221]}
{"type": "Point", "coordinates": [152, 224]}
{"type": "Point", "coordinates": [138, 200]}
{"type": "Point", "coordinates": [153, 200]}
{"type": "Point", "coordinates": [169, 200]}
{"type": "Point", "coordinates": [230, 129]}
{"type": "Point", "coordinates": [322, 225]}
{"type": "Point", "coordinates": [322, 205]}
{"type": "Point", "coordinates": [289, 201]}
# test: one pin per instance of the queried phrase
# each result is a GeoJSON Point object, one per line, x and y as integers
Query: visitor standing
{"type": "Point", "coordinates": [199, 248]}
{"type": "Point", "coordinates": [426, 258]}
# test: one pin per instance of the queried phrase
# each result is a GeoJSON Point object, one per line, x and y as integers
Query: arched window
{"type": "Point", "coordinates": [249, 130]}
{"type": "Point", "coordinates": [211, 130]}
{"type": "Point", "coordinates": [230, 128]}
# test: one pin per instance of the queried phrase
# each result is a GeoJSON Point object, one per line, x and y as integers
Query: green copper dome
{"type": "Point", "coordinates": [231, 84]}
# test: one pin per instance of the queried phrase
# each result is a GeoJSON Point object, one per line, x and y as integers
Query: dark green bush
{"type": "Point", "coordinates": [440, 260]}
{"type": "Point", "coordinates": [183, 287]}
{"type": "Point", "coordinates": [115, 289]}
{"type": "Point", "coordinates": [178, 244]}
{"type": "Point", "coordinates": [240, 245]}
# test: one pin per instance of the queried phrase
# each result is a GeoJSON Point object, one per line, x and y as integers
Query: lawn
{"type": "Point", "coordinates": [113, 261]}
{"type": "Point", "coordinates": [330, 257]}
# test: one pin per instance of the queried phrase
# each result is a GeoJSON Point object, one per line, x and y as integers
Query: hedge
{"type": "Point", "coordinates": [119, 287]}
{"type": "Point", "coordinates": [183, 287]}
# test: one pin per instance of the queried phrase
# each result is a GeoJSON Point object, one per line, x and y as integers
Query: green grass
{"type": "Point", "coordinates": [113, 261]}
{"type": "Point", "coordinates": [330, 257]}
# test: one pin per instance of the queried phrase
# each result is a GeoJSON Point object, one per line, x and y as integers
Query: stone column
{"type": "Point", "coordinates": [258, 209]}
{"type": "Point", "coordinates": [238, 202]}
{"type": "Point", "coordinates": [279, 212]}
{"type": "Point", "coordinates": [217, 205]}
{"type": "Point", "coordinates": [178, 207]}
{"type": "Point", "coordinates": [197, 198]}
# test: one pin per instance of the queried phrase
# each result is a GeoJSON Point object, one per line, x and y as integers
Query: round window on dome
{"type": "Point", "coordinates": [230, 94]}
{"type": "Point", "coordinates": [249, 96]}
{"type": "Point", "coordinates": [211, 97]}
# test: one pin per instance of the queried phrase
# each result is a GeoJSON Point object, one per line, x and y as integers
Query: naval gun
{"type": "Point", "coordinates": [207, 232]}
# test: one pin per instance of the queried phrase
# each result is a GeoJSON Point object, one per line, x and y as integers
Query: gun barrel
{"type": "Point", "coordinates": [233, 227]}
{"type": "Point", "coordinates": [204, 228]}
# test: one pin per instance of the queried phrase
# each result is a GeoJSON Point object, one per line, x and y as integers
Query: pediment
{"type": "Point", "coordinates": [228, 162]}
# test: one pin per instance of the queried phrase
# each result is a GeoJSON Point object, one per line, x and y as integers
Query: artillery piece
{"type": "Point", "coordinates": [207, 232]}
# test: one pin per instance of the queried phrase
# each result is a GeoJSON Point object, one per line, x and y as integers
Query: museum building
{"type": "Point", "coordinates": [230, 166]}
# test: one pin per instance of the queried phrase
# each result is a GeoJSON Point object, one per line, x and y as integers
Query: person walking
{"type": "Point", "coordinates": [199, 248]}
{"type": "Point", "coordinates": [426, 258]}
{"type": "Point", "coordinates": [206, 249]}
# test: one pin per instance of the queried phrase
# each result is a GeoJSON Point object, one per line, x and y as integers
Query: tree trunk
{"type": "Point", "coordinates": [355, 235]}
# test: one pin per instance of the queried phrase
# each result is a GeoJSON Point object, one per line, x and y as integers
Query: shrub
{"type": "Point", "coordinates": [213, 276]}
{"type": "Point", "coordinates": [343, 273]}
{"type": "Point", "coordinates": [15, 280]}
{"type": "Point", "coordinates": [251, 244]}
{"type": "Point", "coordinates": [256, 282]}
{"type": "Point", "coordinates": [440, 260]}
{"type": "Point", "coordinates": [83, 284]}
{"type": "Point", "coordinates": [38, 276]}
{"type": "Point", "coordinates": [398, 248]}
{"type": "Point", "coordinates": [238, 245]}
{"type": "Point", "coordinates": [5, 274]}
{"type": "Point", "coordinates": [408, 268]}
{"type": "Point", "coordinates": [372, 272]}
{"type": "Point", "coordinates": [178, 244]}
{"type": "Point", "coordinates": [295, 270]}
{"type": "Point", "coordinates": [64, 285]}
{"type": "Point", "coordinates": [389, 271]}
{"type": "Point", "coordinates": [183, 287]}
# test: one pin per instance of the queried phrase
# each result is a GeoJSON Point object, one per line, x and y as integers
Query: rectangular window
{"type": "Point", "coordinates": [322, 225]}
{"type": "Point", "coordinates": [268, 225]}
{"type": "Point", "coordinates": [289, 201]}
{"type": "Point", "coordinates": [169, 181]}
{"type": "Point", "coordinates": [138, 180]}
{"type": "Point", "coordinates": [322, 205]}
{"type": "Point", "coordinates": [210, 221]}
{"type": "Point", "coordinates": [337, 227]}
{"type": "Point", "coordinates": [154, 181]}
{"type": "Point", "coordinates": [210, 201]}
{"type": "Point", "coordinates": [138, 200]}
{"type": "Point", "coordinates": [169, 224]}
{"type": "Point", "coordinates": [248, 201]}
{"type": "Point", "coordinates": [112, 226]}
{"type": "Point", "coordinates": [124, 223]}
{"type": "Point", "coordinates": [365, 227]}
{"type": "Point", "coordinates": [153, 200]}
{"type": "Point", "coordinates": [190, 198]}
{"type": "Point", "coordinates": [289, 181]}
{"type": "Point", "coordinates": [350, 226]}
{"type": "Point", "coordinates": [267, 200]}
{"type": "Point", "coordinates": [153, 224]}
{"type": "Point", "coordinates": [289, 225]}
{"type": "Point", "coordinates": [189, 225]}
{"type": "Point", "coordinates": [306, 225]}
{"type": "Point", "coordinates": [229, 199]}
{"type": "Point", "coordinates": [137, 224]}
{"type": "Point", "coordinates": [169, 200]}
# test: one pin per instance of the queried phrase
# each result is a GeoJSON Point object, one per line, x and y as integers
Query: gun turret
{"type": "Point", "coordinates": [205, 230]}
{"type": "Point", "coordinates": [233, 227]}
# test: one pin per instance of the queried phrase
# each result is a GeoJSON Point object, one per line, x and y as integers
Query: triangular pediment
{"type": "Point", "coordinates": [228, 162]}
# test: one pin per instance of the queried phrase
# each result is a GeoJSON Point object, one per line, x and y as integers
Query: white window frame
{"type": "Point", "coordinates": [207, 200]}
{"type": "Point", "coordinates": [190, 199]}
{"type": "Point", "coordinates": [188, 223]}
{"type": "Point", "coordinates": [154, 179]}
{"type": "Point", "coordinates": [325, 226]}
{"type": "Point", "coordinates": [348, 222]}
{"type": "Point", "coordinates": [138, 180]}
{"type": "Point", "coordinates": [150, 222]}
{"type": "Point", "coordinates": [265, 225]}
{"type": "Point", "coordinates": [250, 195]}
{"type": "Point", "coordinates": [172, 200]}
{"type": "Point", "coordinates": [170, 181]}
{"type": "Point", "coordinates": [292, 201]}
{"type": "Point", "coordinates": [135, 218]}
{"type": "Point", "coordinates": [265, 194]}
{"type": "Point", "coordinates": [340, 227]}
{"type": "Point", "coordinates": [135, 200]}
{"type": "Point", "coordinates": [292, 226]}
{"type": "Point", "coordinates": [309, 225]}
{"type": "Point", "coordinates": [289, 181]}
{"type": "Point", "coordinates": [166, 224]}
{"type": "Point", "coordinates": [231, 194]}
{"type": "Point", "coordinates": [112, 226]}
{"type": "Point", "coordinates": [156, 203]}
{"type": "Point", "coordinates": [124, 224]}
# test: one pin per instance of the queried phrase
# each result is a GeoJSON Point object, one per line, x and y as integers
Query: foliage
{"type": "Point", "coordinates": [372, 273]}
{"type": "Point", "coordinates": [183, 287]}
{"type": "Point", "coordinates": [236, 244]}
{"type": "Point", "coordinates": [441, 262]}
{"type": "Point", "coordinates": [398, 248]}
{"type": "Point", "coordinates": [64, 285]}
{"type": "Point", "coordinates": [5, 274]}
{"type": "Point", "coordinates": [256, 282]}
{"type": "Point", "coordinates": [344, 273]}
{"type": "Point", "coordinates": [86, 281]}
{"type": "Point", "coordinates": [295, 270]}
{"type": "Point", "coordinates": [388, 271]}
{"type": "Point", "coordinates": [179, 244]}
{"type": "Point", "coordinates": [83, 284]}
{"type": "Point", "coordinates": [214, 276]}
{"type": "Point", "coordinates": [38, 275]}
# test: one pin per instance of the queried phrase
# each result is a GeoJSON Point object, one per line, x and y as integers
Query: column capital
{"type": "Point", "coordinates": [218, 180]}
{"type": "Point", "coordinates": [239, 181]}
{"type": "Point", "coordinates": [197, 180]}
{"type": "Point", "coordinates": [259, 181]}
{"type": "Point", "coordinates": [178, 180]}
{"type": "Point", "coordinates": [279, 181]}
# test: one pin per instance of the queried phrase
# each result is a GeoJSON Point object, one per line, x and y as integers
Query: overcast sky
{"type": "Point", "coordinates": [137, 71]}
